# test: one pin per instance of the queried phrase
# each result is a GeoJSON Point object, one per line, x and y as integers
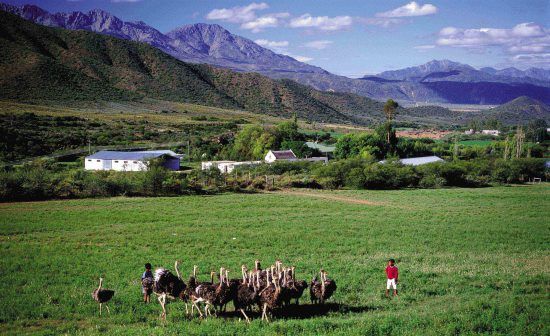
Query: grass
{"type": "Point", "coordinates": [471, 260]}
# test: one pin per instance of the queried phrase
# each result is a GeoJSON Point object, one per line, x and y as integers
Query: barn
{"type": "Point", "coordinates": [130, 161]}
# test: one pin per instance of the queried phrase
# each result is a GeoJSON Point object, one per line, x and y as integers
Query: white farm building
{"type": "Point", "coordinates": [130, 161]}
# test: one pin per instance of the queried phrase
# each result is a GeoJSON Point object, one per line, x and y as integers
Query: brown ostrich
{"type": "Point", "coordinates": [330, 287]}
{"type": "Point", "coordinates": [321, 290]}
{"type": "Point", "coordinates": [209, 294]}
{"type": "Point", "coordinates": [247, 292]}
{"type": "Point", "coordinates": [102, 296]}
{"type": "Point", "coordinates": [270, 296]}
{"type": "Point", "coordinates": [296, 288]}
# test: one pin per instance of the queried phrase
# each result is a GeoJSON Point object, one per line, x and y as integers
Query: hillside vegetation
{"type": "Point", "coordinates": [44, 64]}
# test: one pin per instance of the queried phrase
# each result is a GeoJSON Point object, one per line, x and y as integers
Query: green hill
{"type": "Point", "coordinates": [52, 64]}
{"type": "Point", "coordinates": [520, 110]}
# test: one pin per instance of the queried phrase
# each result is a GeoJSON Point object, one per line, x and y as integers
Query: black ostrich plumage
{"type": "Point", "coordinates": [103, 295]}
{"type": "Point", "coordinates": [168, 283]}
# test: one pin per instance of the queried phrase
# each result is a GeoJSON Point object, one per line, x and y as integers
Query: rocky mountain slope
{"type": "Point", "coordinates": [435, 82]}
{"type": "Point", "coordinates": [47, 64]}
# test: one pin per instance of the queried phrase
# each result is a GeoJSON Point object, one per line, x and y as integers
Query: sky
{"type": "Point", "coordinates": [358, 37]}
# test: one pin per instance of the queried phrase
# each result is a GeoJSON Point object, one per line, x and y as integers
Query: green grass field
{"type": "Point", "coordinates": [471, 260]}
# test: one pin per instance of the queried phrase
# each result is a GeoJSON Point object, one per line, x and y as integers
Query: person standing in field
{"type": "Point", "coordinates": [147, 283]}
{"type": "Point", "coordinates": [392, 273]}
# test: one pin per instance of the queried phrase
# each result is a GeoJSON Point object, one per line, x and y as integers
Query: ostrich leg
{"type": "Point", "coordinates": [108, 311]}
{"type": "Point", "coordinates": [100, 308]}
{"type": "Point", "coordinates": [246, 317]}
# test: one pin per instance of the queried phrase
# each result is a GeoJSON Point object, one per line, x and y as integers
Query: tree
{"type": "Point", "coordinates": [390, 111]}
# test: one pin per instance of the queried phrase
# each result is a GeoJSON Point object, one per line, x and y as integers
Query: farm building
{"type": "Point", "coordinates": [226, 166]}
{"type": "Point", "coordinates": [491, 132]}
{"type": "Point", "coordinates": [417, 161]}
{"type": "Point", "coordinates": [281, 155]}
{"type": "Point", "coordinates": [130, 161]}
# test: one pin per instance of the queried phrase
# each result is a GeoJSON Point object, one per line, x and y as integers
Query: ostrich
{"type": "Point", "coordinates": [321, 290]}
{"type": "Point", "coordinates": [247, 292]}
{"type": "Point", "coordinates": [270, 296]}
{"type": "Point", "coordinates": [330, 287]}
{"type": "Point", "coordinates": [167, 285]}
{"type": "Point", "coordinates": [296, 288]}
{"type": "Point", "coordinates": [102, 296]}
{"type": "Point", "coordinates": [226, 292]}
{"type": "Point", "coordinates": [209, 293]}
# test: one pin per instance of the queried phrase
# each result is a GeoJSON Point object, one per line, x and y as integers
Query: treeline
{"type": "Point", "coordinates": [45, 180]}
{"type": "Point", "coordinates": [28, 135]}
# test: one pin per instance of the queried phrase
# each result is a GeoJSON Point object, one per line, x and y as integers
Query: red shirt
{"type": "Point", "coordinates": [392, 272]}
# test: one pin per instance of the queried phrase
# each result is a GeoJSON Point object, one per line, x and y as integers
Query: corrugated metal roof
{"type": "Point", "coordinates": [284, 154]}
{"type": "Point", "coordinates": [138, 155]}
{"type": "Point", "coordinates": [417, 161]}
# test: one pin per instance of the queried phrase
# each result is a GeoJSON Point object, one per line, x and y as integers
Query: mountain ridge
{"type": "Point", "coordinates": [213, 44]}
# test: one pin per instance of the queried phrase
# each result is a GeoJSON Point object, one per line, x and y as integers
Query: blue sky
{"type": "Point", "coordinates": [357, 37]}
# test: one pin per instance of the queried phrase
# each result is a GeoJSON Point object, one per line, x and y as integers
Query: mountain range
{"type": "Point", "coordinates": [45, 64]}
{"type": "Point", "coordinates": [434, 82]}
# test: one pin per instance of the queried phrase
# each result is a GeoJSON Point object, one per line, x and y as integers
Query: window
{"type": "Point", "coordinates": [89, 160]}
{"type": "Point", "coordinates": [98, 160]}
{"type": "Point", "coordinates": [125, 161]}
{"type": "Point", "coordinates": [116, 161]}
{"type": "Point", "coordinates": [135, 161]}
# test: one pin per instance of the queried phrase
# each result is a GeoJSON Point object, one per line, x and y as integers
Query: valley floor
{"type": "Point", "coordinates": [470, 260]}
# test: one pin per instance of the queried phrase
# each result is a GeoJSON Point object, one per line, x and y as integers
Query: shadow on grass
{"type": "Point", "coordinates": [304, 311]}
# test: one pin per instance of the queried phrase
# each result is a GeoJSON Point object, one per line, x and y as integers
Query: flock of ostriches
{"type": "Point", "coordinates": [268, 289]}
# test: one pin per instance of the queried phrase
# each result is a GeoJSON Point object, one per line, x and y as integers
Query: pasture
{"type": "Point", "coordinates": [470, 260]}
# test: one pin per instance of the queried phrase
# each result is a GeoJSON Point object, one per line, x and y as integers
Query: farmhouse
{"type": "Point", "coordinates": [281, 155]}
{"type": "Point", "coordinates": [130, 161]}
{"type": "Point", "coordinates": [417, 161]}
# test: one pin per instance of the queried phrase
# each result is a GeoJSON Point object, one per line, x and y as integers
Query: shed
{"type": "Point", "coordinates": [130, 161]}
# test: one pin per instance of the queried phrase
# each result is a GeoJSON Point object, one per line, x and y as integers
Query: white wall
{"type": "Point", "coordinates": [128, 165]}
{"type": "Point", "coordinates": [93, 164]}
{"type": "Point", "coordinates": [270, 157]}
{"type": "Point", "coordinates": [118, 165]}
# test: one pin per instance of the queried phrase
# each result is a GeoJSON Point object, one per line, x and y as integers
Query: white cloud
{"type": "Point", "coordinates": [321, 22]}
{"type": "Point", "coordinates": [270, 20]}
{"type": "Point", "coordinates": [238, 14]}
{"type": "Point", "coordinates": [320, 44]}
{"type": "Point", "coordinates": [382, 21]}
{"type": "Point", "coordinates": [410, 9]}
{"type": "Point", "coordinates": [527, 43]}
{"type": "Point", "coordinates": [424, 47]}
{"type": "Point", "coordinates": [522, 37]}
{"type": "Point", "coordinates": [304, 59]}
{"type": "Point", "coordinates": [272, 44]}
